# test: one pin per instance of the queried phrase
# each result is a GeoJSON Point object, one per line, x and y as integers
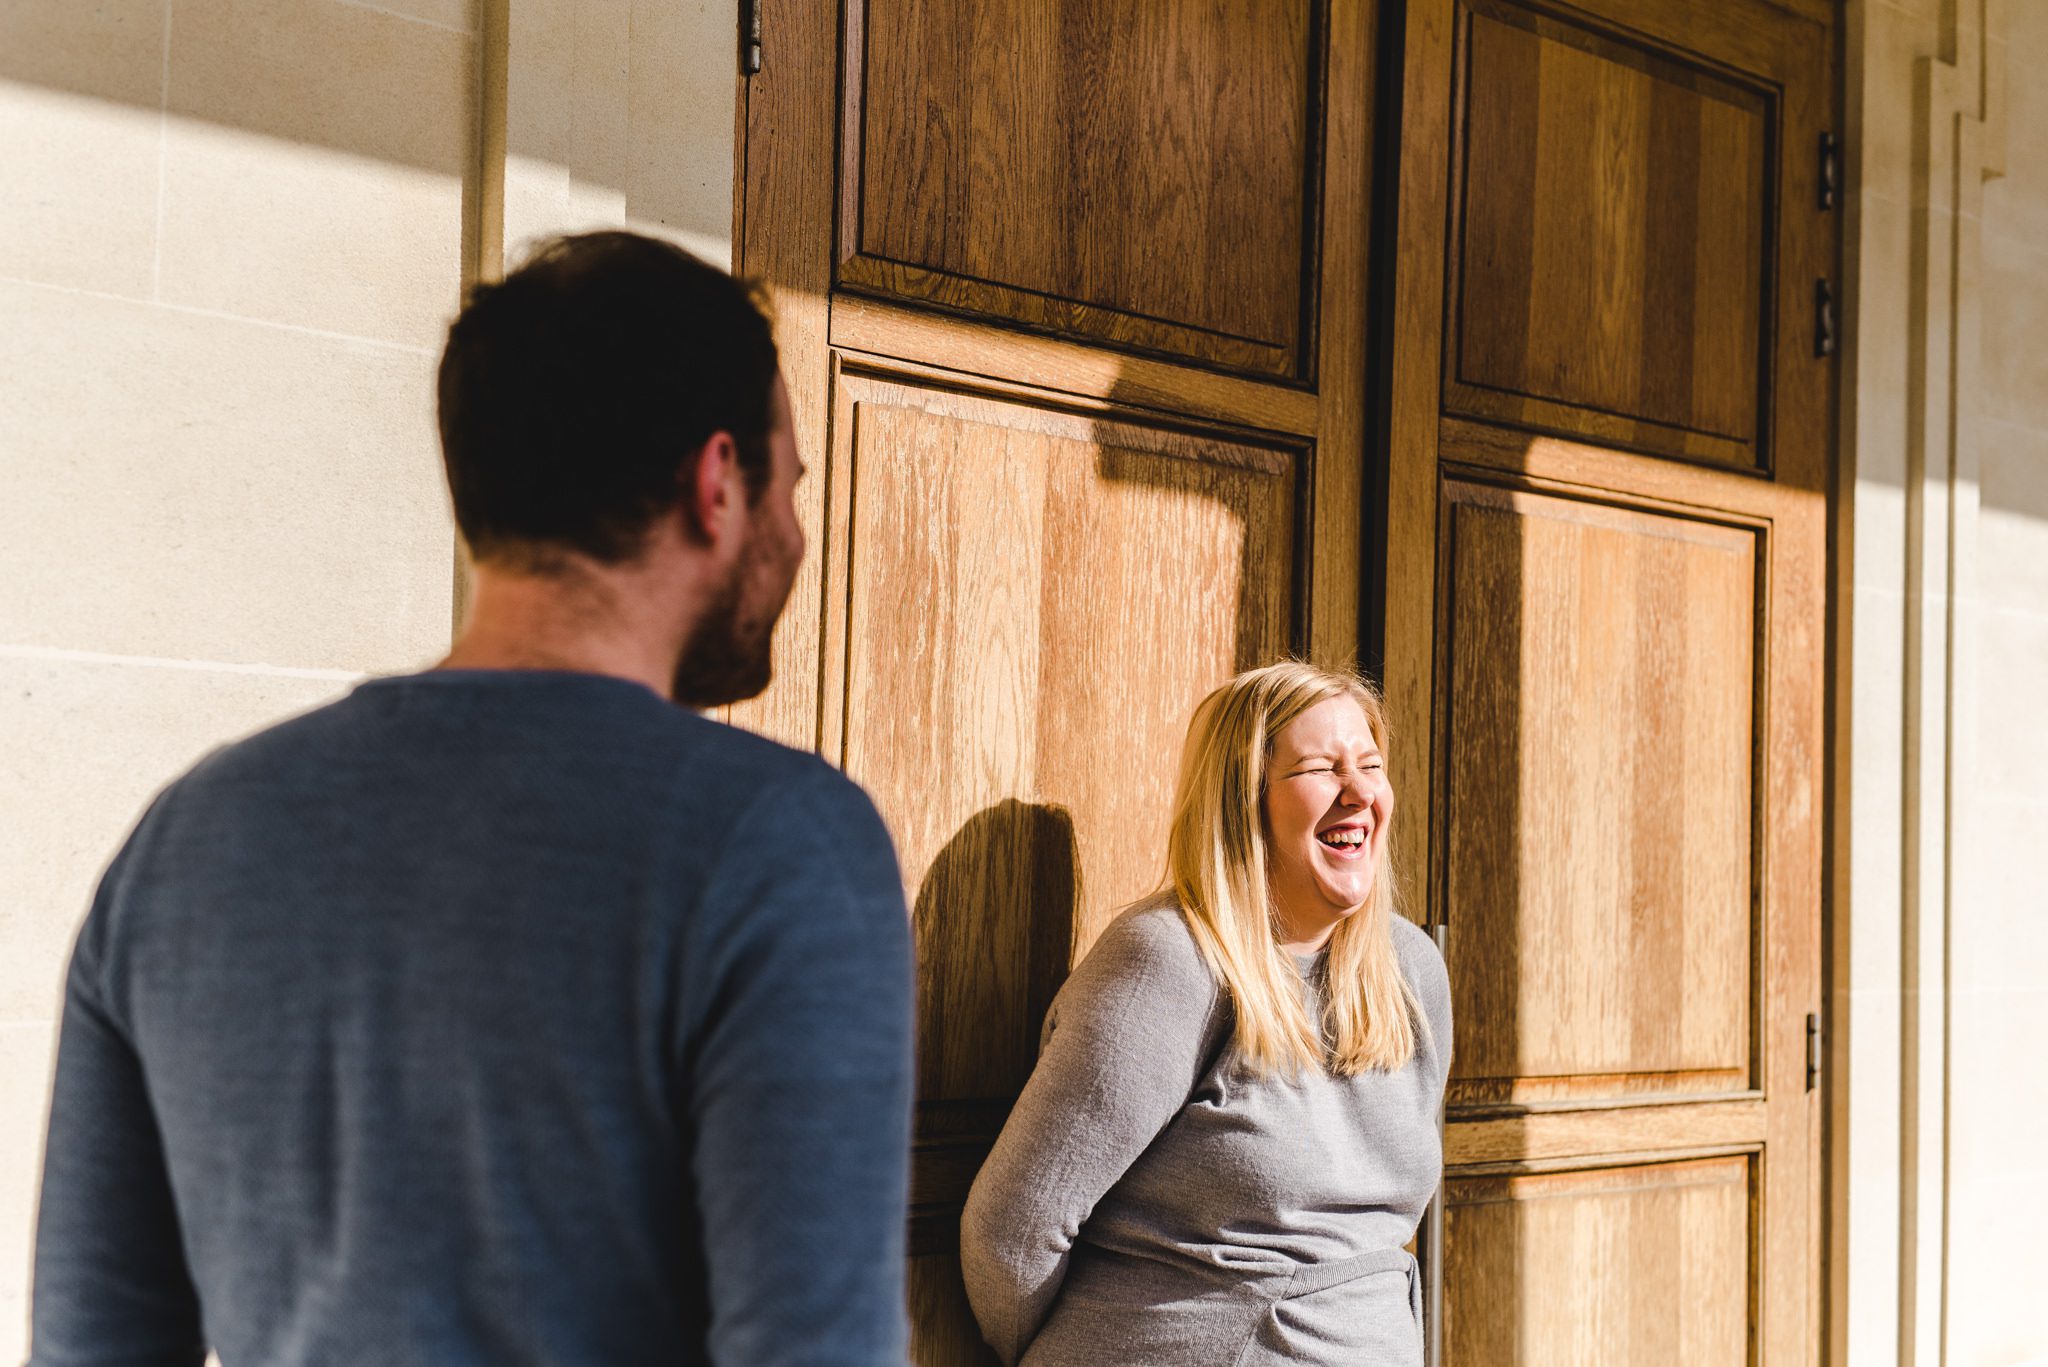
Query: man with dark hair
{"type": "Point", "coordinates": [511, 1012]}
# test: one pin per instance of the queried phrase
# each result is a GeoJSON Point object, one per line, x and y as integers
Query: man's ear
{"type": "Point", "coordinates": [712, 491]}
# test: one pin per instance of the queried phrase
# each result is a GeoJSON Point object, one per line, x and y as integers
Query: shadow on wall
{"type": "Point", "coordinates": [597, 113]}
{"type": "Point", "coordinates": [333, 77]}
{"type": "Point", "coordinates": [994, 926]}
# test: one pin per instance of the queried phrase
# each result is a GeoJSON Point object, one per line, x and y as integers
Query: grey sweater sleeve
{"type": "Point", "coordinates": [1424, 968]}
{"type": "Point", "coordinates": [1125, 1043]}
{"type": "Point", "coordinates": [111, 1283]}
{"type": "Point", "coordinates": [799, 1078]}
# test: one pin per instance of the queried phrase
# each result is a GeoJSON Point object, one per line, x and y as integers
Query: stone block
{"type": "Point", "coordinates": [1996, 1313]}
{"type": "Point", "coordinates": [81, 133]}
{"type": "Point", "coordinates": [2015, 345]}
{"type": "Point", "coordinates": [314, 164]}
{"type": "Point", "coordinates": [460, 15]}
{"type": "Point", "coordinates": [2012, 731]}
{"type": "Point", "coordinates": [196, 487]}
{"type": "Point", "coordinates": [2012, 487]}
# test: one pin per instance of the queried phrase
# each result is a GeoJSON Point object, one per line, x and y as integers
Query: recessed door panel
{"type": "Point", "coordinates": [1612, 265]}
{"type": "Point", "coordinates": [1644, 1263]}
{"type": "Point", "coordinates": [1601, 798]}
{"type": "Point", "coordinates": [1136, 172]}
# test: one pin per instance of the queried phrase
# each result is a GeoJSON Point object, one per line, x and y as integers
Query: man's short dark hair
{"type": "Point", "coordinates": [573, 391]}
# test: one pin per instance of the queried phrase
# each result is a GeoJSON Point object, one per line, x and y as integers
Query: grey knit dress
{"type": "Point", "coordinates": [1154, 1201]}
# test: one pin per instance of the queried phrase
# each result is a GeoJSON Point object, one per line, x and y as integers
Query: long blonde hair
{"type": "Point", "coordinates": [1216, 869]}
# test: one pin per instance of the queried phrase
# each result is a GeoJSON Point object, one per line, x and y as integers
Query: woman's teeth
{"type": "Point", "coordinates": [1349, 838]}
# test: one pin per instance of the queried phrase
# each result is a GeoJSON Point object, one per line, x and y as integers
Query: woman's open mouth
{"type": "Point", "coordinates": [1348, 841]}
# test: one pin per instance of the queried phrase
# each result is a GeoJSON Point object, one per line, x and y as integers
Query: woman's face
{"type": "Point", "coordinates": [1328, 803]}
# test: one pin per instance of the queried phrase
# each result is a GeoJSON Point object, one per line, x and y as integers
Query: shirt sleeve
{"type": "Point", "coordinates": [798, 1074]}
{"type": "Point", "coordinates": [1126, 1041]}
{"type": "Point", "coordinates": [1423, 966]}
{"type": "Point", "coordinates": [111, 1282]}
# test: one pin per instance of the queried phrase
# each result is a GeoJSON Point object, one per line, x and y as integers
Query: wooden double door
{"type": "Point", "coordinates": [1135, 342]}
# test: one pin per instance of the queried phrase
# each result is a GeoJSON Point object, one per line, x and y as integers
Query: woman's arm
{"type": "Point", "coordinates": [1125, 1043]}
{"type": "Point", "coordinates": [1423, 966]}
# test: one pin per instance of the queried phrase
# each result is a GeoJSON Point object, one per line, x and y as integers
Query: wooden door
{"type": "Point", "coordinates": [1072, 302]}
{"type": "Point", "coordinates": [1609, 455]}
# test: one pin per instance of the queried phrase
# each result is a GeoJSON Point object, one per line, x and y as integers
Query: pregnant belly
{"type": "Point", "coordinates": [1117, 1310]}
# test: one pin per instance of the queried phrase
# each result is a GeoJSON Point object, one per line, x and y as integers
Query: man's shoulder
{"type": "Point", "coordinates": [602, 720]}
{"type": "Point", "coordinates": [695, 782]}
{"type": "Point", "coordinates": [760, 781]}
{"type": "Point", "coordinates": [732, 763]}
{"type": "Point", "coordinates": [277, 747]}
{"type": "Point", "coordinates": [792, 848]}
{"type": "Point", "coordinates": [791, 801]}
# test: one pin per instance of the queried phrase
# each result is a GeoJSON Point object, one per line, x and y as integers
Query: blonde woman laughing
{"type": "Point", "coordinates": [1231, 1130]}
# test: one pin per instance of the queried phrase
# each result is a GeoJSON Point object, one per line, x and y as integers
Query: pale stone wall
{"type": "Point", "coordinates": [1998, 1122]}
{"type": "Point", "coordinates": [231, 232]}
{"type": "Point", "coordinates": [1940, 919]}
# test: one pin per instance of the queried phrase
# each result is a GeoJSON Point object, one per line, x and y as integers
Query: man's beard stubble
{"type": "Point", "coordinates": [729, 657]}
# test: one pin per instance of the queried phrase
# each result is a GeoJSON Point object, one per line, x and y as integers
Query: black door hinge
{"type": "Point", "coordinates": [1830, 171]}
{"type": "Point", "coordinates": [1812, 1051]}
{"type": "Point", "coordinates": [1823, 318]}
{"type": "Point", "coordinates": [750, 37]}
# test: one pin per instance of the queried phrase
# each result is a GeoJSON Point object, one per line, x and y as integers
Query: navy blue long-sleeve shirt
{"type": "Point", "coordinates": [506, 1017]}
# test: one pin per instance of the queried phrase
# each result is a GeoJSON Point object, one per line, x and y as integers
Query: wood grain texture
{"type": "Point", "coordinates": [1794, 746]}
{"type": "Point", "coordinates": [1630, 1264]}
{"type": "Point", "coordinates": [1071, 369]}
{"type": "Point", "coordinates": [1414, 389]}
{"type": "Point", "coordinates": [942, 1328]}
{"type": "Point", "coordinates": [1601, 808]}
{"type": "Point", "coordinates": [1613, 254]}
{"type": "Point", "coordinates": [1795, 737]}
{"type": "Point", "coordinates": [1036, 600]}
{"type": "Point", "coordinates": [1572, 462]}
{"type": "Point", "coordinates": [785, 222]}
{"type": "Point", "coordinates": [1138, 172]}
{"type": "Point", "coordinates": [1483, 1096]}
{"type": "Point", "coordinates": [1336, 531]}
{"type": "Point", "coordinates": [1582, 455]}
{"type": "Point", "coordinates": [1578, 1133]}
